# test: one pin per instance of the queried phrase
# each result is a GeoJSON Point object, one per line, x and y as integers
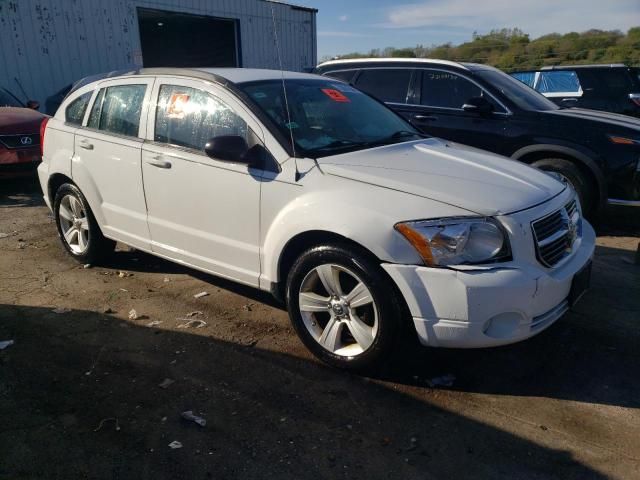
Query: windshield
{"type": "Point", "coordinates": [8, 100]}
{"type": "Point", "coordinates": [328, 117]}
{"type": "Point", "coordinates": [523, 96]}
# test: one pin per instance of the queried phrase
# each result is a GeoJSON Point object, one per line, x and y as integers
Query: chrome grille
{"type": "Point", "coordinates": [556, 233]}
{"type": "Point", "coordinates": [572, 208]}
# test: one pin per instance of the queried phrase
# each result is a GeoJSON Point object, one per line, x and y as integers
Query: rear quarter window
{"type": "Point", "coordinates": [74, 113]}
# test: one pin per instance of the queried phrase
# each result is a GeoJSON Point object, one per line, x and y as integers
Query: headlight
{"type": "Point", "coordinates": [455, 241]}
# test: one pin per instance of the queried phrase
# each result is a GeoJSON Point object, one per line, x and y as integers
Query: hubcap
{"type": "Point", "coordinates": [74, 224]}
{"type": "Point", "coordinates": [338, 310]}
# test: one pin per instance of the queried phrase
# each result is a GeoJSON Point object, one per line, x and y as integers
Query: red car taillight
{"type": "Point", "coordinates": [43, 127]}
{"type": "Point", "coordinates": [635, 98]}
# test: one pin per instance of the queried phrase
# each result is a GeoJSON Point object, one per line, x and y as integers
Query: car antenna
{"type": "Point", "coordinates": [284, 89]}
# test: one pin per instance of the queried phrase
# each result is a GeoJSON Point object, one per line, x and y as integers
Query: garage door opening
{"type": "Point", "coordinates": [171, 39]}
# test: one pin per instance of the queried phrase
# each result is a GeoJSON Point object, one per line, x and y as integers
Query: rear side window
{"type": "Point", "coordinates": [447, 90]}
{"type": "Point", "coordinates": [74, 114]}
{"type": "Point", "coordinates": [345, 75]}
{"type": "Point", "coordinates": [188, 117]}
{"type": "Point", "coordinates": [117, 109]}
{"type": "Point", "coordinates": [386, 84]}
{"type": "Point", "coordinates": [560, 81]}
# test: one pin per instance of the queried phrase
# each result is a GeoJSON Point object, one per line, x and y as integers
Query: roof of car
{"type": "Point", "coordinates": [430, 61]}
{"type": "Point", "coordinates": [231, 75]}
{"type": "Point", "coordinates": [244, 75]}
{"type": "Point", "coordinates": [600, 65]}
{"type": "Point", "coordinates": [219, 75]}
{"type": "Point", "coordinates": [573, 67]}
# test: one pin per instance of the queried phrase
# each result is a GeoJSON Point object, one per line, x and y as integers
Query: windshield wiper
{"type": "Point", "coordinates": [348, 144]}
{"type": "Point", "coordinates": [406, 133]}
{"type": "Point", "coordinates": [336, 145]}
{"type": "Point", "coordinates": [400, 134]}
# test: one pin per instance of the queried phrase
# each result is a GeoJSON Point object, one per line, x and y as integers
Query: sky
{"type": "Point", "coordinates": [359, 25]}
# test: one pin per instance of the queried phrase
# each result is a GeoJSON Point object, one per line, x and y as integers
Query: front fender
{"type": "Point", "coordinates": [362, 213]}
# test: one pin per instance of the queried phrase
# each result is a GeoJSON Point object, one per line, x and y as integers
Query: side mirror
{"type": "Point", "coordinates": [33, 104]}
{"type": "Point", "coordinates": [228, 148]}
{"type": "Point", "coordinates": [478, 105]}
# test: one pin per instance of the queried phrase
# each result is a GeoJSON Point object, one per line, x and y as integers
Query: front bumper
{"type": "Point", "coordinates": [490, 306]}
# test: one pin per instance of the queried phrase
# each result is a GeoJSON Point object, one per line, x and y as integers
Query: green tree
{"type": "Point", "coordinates": [512, 49]}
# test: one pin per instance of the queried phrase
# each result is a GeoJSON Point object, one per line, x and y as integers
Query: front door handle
{"type": "Point", "coordinates": [158, 162]}
{"type": "Point", "coordinates": [425, 118]}
{"type": "Point", "coordinates": [86, 145]}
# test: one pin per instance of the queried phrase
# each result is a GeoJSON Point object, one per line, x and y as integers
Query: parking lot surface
{"type": "Point", "coordinates": [106, 358]}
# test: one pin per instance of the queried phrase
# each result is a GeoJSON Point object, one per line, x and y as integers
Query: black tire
{"type": "Point", "coordinates": [581, 183]}
{"type": "Point", "coordinates": [385, 299]}
{"type": "Point", "coordinates": [97, 247]}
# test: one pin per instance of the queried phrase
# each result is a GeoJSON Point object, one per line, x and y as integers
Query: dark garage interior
{"type": "Point", "coordinates": [171, 39]}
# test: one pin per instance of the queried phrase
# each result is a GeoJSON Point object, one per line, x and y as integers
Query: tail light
{"type": "Point", "coordinates": [43, 127]}
{"type": "Point", "coordinates": [635, 98]}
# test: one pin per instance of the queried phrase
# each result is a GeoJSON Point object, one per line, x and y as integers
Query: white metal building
{"type": "Point", "coordinates": [48, 44]}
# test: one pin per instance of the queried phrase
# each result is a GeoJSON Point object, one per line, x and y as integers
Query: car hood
{"type": "Point", "coordinates": [14, 121]}
{"type": "Point", "coordinates": [465, 177]}
{"type": "Point", "coordinates": [601, 117]}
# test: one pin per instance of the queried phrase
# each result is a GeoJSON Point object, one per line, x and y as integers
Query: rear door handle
{"type": "Point", "coordinates": [425, 118]}
{"type": "Point", "coordinates": [158, 162]}
{"type": "Point", "coordinates": [86, 145]}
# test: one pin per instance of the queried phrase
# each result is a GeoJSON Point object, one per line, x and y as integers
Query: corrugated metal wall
{"type": "Point", "coordinates": [47, 44]}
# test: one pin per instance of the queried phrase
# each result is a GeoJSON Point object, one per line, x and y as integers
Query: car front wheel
{"type": "Point", "coordinates": [568, 171]}
{"type": "Point", "coordinates": [343, 307]}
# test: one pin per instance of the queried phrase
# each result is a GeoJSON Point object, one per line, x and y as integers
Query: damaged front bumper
{"type": "Point", "coordinates": [490, 306]}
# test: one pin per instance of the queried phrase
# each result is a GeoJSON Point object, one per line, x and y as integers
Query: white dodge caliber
{"type": "Point", "coordinates": [322, 196]}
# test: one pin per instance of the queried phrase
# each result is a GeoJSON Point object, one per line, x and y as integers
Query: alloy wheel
{"type": "Point", "coordinates": [74, 224]}
{"type": "Point", "coordinates": [338, 310]}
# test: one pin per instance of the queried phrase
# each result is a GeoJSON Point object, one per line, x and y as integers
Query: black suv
{"type": "Point", "coordinates": [612, 88]}
{"type": "Point", "coordinates": [478, 105]}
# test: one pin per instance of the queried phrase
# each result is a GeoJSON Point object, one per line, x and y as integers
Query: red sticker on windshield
{"type": "Point", "coordinates": [335, 95]}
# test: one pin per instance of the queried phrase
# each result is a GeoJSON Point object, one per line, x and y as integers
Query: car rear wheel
{"type": "Point", "coordinates": [570, 172]}
{"type": "Point", "coordinates": [77, 227]}
{"type": "Point", "coordinates": [343, 308]}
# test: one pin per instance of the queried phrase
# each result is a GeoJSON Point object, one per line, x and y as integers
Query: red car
{"type": "Point", "coordinates": [19, 136]}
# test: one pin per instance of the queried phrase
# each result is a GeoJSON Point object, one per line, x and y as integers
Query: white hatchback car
{"type": "Point", "coordinates": [335, 205]}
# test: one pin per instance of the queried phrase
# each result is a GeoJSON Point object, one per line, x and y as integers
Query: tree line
{"type": "Point", "coordinates": [512, 49]}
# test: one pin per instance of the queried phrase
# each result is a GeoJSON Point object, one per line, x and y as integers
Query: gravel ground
{"type": "Point", "coordinates": [81, 394]}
